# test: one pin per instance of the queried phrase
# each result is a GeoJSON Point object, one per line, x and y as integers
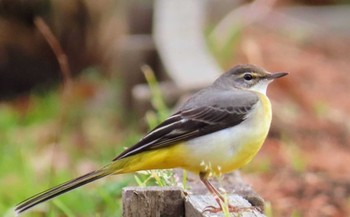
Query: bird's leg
{"type": "Point", "coordinates": [217, 195]}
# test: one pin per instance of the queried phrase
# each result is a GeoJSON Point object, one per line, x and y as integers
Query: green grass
{"type": "Point", "coordinates": [54, 140]}
{"type": "Point", "coordinates": [156, 177]}
{"type": "Point", "coordinates": [59, 137]}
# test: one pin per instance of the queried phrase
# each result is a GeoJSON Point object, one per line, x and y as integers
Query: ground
{"type": "Point", "coordinates": [302, 169]}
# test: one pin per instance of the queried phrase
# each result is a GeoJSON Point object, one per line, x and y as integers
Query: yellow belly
{"type": "Point", "coordinates": [216, 153]}
{"type": "Point", "coordinates": [227, 150]}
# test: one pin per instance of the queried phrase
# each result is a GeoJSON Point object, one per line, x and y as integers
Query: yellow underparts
{"type": "Point", "coordinates": [164, 158]}
{"type": "Point", "coordinates": [215, 154]}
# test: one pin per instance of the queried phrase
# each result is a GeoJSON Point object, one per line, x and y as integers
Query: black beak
{"type": "Point", "coordinates": [276, 75]}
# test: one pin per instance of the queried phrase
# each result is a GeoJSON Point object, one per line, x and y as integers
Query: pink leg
{"type": "Point", "coordinates": [217, 195]}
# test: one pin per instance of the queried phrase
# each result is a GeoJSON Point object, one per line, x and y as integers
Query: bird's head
{"type": "Point", "coordinates": [248, 77]}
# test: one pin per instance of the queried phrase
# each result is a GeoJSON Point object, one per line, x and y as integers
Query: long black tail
{"type": "Point", "coordinates": [60, 189]}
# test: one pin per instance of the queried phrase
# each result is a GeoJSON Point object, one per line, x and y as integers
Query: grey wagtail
{"type": "Point", "coordinates": [217, 130]}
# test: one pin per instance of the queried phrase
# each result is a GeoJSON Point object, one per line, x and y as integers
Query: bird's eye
{"type": "Point", "coordinates": [248, 77]}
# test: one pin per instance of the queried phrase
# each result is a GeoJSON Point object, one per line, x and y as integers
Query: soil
{"type": "Point", "coordinates": [303, 168]}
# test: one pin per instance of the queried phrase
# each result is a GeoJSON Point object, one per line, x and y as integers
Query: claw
{"type": "Point", "coordinates": [231, 209]}
{"type": "Point", "coordinates": [211, 209]}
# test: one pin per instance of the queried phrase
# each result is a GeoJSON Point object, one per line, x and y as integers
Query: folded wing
{"type": "Point", "coordinates": [218, 110]}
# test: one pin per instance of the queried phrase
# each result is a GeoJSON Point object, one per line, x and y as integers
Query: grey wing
{"type": "Point", "coordinates": [202, 114]}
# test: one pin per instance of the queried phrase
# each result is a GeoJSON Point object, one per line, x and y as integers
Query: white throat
{"type": "Point", "coordinates": [261, 86]}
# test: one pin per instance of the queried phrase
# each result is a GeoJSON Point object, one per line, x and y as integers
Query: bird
{"type": "Point", "coordinates": [217, 130]}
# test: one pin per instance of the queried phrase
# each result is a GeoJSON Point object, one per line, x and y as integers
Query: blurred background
{"type": "Point", "coordinates": [75, 91]}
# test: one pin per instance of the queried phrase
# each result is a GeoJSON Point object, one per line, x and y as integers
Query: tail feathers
{"type": "Point", "coordinates": [60, 189]}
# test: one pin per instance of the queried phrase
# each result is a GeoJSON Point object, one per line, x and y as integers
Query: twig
{"type": "Point", "coordinates": [57, 49]}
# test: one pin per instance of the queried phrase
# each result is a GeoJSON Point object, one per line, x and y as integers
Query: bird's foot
{"type": "Point", "coordinates": [213, 209]}
{"type": "Point", "coordinates": [229, 208]}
